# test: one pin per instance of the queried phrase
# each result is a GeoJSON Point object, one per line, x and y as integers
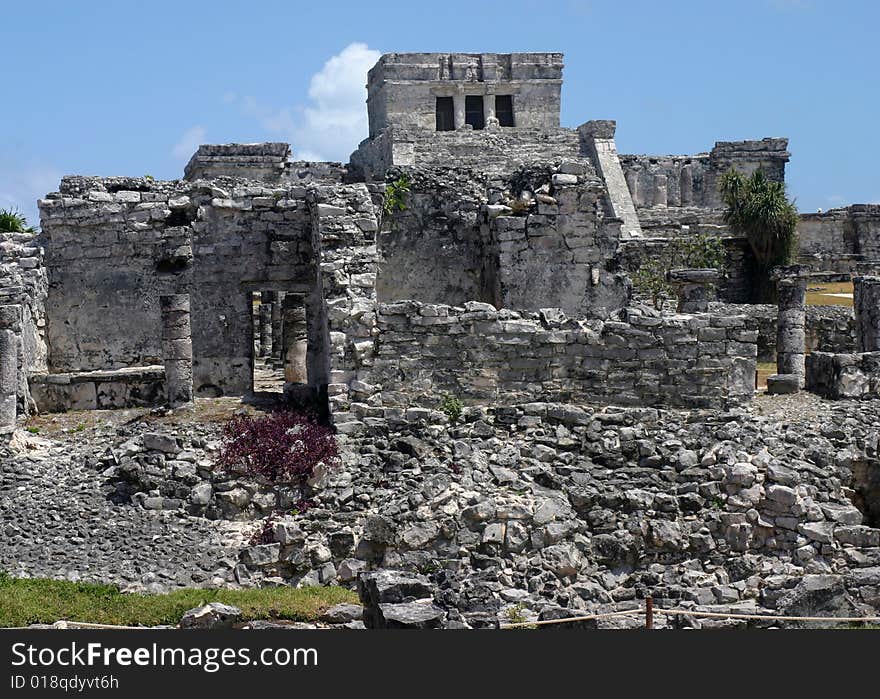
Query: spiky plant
{"type": "Point", "coordinates": [11, 221]}
{"type": "Point", "coordinates": [759, 209]}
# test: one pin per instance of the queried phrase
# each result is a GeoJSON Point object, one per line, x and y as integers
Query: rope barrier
{"type": "Point", "coordinates": [78, 625]}
{"type": "Point", "coordinates": [650, 610]}
{"type": "Point", "coordinates": [588, 617]}
{"type": "Point", "coordinates": [769, 617]}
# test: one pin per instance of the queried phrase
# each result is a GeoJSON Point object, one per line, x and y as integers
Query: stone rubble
{"type": "Point", "coordinates": [532, 510]}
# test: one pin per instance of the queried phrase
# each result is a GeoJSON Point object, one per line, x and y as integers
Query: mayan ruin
{"type": "Point", "coordinates": [518, 375]}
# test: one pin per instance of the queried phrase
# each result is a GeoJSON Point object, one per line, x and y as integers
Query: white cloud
{"type": "Point", "coordinates": [189, 142]}
{"type": "Point", "coordinates": [22, 186]}
{"type": "Point", "coordinates": [334, 121]}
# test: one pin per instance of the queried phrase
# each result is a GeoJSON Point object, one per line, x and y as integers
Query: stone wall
{"type": "Point", "coordinates": [839, 239]}
{"type": "Point", "coordinates": [828, 329]}
{"type": "Point", "coordinates": [99, 390]}
{"type": "Point", "coordinates": [483, 355]}
{"type": "Point", "coordinates": [692, 180]}
{"type": "Point", "coordinates": [735, 286]}
{"type": "Point", "coordinates": [251, 239]}
{"type": "Point", "coordinates": [23, 283]}
{"type": "Point", "coordinates": [564, 253]}
{"type": "Point", "coordinates": [437, 249]}
{"type": "Point", "coordinates": [402, 87]}
{"type": "Point", "coordinates": [839, 376]}
{"type": "Point", "coordinates": [115, 245]}
{"type": "Point", "coordinates": [265, 162]}
{"type": "Point", "coordinates": [456, 241]}
{"type": "Point", "coordinates": [493, 151]}
{"type": "Point", "coordinates": [345, 222]}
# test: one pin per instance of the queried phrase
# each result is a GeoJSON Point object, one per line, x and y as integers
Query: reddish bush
{"type": "Point", "coordinates": [282, 448]}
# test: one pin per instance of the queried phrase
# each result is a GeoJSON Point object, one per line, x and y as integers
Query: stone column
{"type": "Point", "coordinates": [489, 111]}
{"type": "Point", "coordinates": [866, 300]}
{"type": "Point", "coordinates": [10, 323]}
{"type": "Point", "coordinates": [295, 341]}
{"type": "Point", "coordinates": [266, 300]}
{"type": "Point", "coordinates": [695, 288]}
{"type": "Point", "coordinates": [791, 326]}
{"type": "Point", "coordinates": [277, 339]}
{"type": "Point", "coordinates": [632, 182]}
{"type": "Point", "coordinates": [458, 104]}
{"type": "Point", "coordinates": [661, 186]}
{"type": "Point", "coordinates": [177, 349]}
{"type": "Point", "coordinates": [686, 185]}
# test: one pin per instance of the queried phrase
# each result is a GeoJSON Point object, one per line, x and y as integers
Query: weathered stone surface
{"type": "Point", "coordinates": [213, 615]}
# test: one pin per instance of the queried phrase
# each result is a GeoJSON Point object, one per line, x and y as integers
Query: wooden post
{"type": "Point", "coordinates": [649, 613]}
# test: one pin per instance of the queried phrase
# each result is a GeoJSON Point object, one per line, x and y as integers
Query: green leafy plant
{"type": "Point", "coordinates": [650, 280]}
{"type": "Point", "coordinates": [693, 251]}
{"type": "Point", "coordinates": [396, 194]}
{"type": "Point", "coordinates": [452, 406]}
{"type": "Point", "coordinates": [12, 221]}
{"type": "Point", "coordinates": [517, 615]}
{"type": "Point", "coordinates": [759, 209]}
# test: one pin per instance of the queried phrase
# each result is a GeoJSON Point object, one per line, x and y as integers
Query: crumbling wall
{"type": "Point", "coordinates": [264, 162]}
{"type": "Point", "coordinates": [458, 240]}
{"type": "Point", "coordinates": [692, 180]}
{"type": "Point", "coordinates": [488, 150]}
{"type": "Point", "coordinates": [436, 249]}
{"type": "Point", "coordinates": [106, 242]}
{"type": "Point", "coordinates": [247, 238]}
{"type": "Point", "coordinates": [735, 285]}
{"type": "Point", "coordinates": [484, 355]}
{"type": "Point", "coordinates": [563, 253]}
{"type": "Point", "coordinates": [828, 328]}
{"type": "Point", "coordinates": [344, 225]}
{"type": "Point", "coordinates": [23, 283]}
{"type": "Point", "coordinates": [838, 239]}
{"type": "Point", "coordinates": [115, 245]}
{"type": "Point", "coordinates": [839, 376]}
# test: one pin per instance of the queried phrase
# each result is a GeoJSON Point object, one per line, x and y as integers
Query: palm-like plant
{"type": "Point", "coordinates": [12, 221]}
{"type": "Point", "coordinates": [759, 209]}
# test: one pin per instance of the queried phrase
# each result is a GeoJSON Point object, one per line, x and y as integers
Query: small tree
{"type": "Point", "coordinates": [760, 210]}
{"type": "Point", "coordinates": [694, 251]}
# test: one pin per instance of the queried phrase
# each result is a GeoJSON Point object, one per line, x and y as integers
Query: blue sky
{"type": "Point", "coordinates": [131, 88]}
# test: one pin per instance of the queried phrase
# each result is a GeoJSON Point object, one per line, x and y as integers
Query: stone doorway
{"type": "Point", "coordinates": [267, 370]}
{"type": "Point", "coordinates": [280, 344]}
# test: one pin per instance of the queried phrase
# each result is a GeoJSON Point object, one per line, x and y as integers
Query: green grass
{"type": "Point", "coordinates": [40, 601]}
{"type": "Point", "coordinates": [818, 294]}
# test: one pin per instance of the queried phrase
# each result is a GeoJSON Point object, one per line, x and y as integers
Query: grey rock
{"type": "Point", "coordinates": [213, 615]}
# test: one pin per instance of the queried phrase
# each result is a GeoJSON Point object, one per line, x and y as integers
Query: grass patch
{"type": "Point", "coordinates": [41, 601]}
{"type": "Point", "coordinates": [820, 294]}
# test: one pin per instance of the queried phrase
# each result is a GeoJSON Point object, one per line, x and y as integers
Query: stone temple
{"type": "Point", "coordinates": [471, 247]}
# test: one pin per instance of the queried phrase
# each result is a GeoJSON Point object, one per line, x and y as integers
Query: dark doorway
{"type": "Point", "coordinates": [473, 111]}
{"type": "Point", "coordinates": [445, 114]}
{"type": "Point", "coordinates": [504, 110]}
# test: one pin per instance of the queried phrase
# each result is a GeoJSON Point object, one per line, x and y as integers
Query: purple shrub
{"type": "Point", "coordinates": [282, 448]}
